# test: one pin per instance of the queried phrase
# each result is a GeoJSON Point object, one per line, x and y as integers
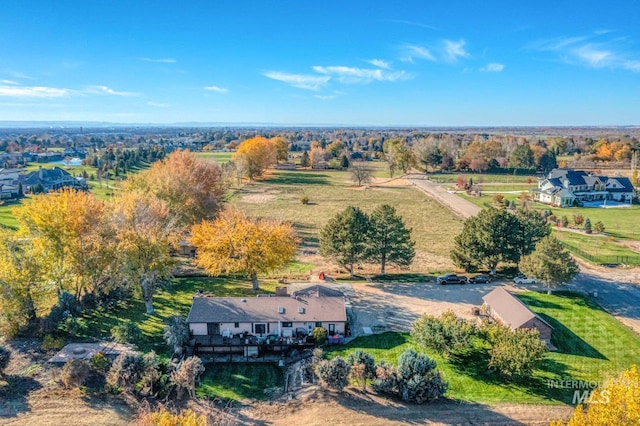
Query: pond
{"type": "Point", "coordinates": [69, 162]}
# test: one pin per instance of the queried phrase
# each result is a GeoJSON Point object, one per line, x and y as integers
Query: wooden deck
{"type": "Point", "coordinates": [247, 349]}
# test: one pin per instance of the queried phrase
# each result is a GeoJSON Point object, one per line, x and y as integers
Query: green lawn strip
{"type": "Point", "coordinates": [592, 347]}
{"type": "Point", "coordinates": [239, 381]}
{"type": "Point", "coordinates": [496, 187]}
{"type": "Point", "coordinates": [483, 178]}
{"type": "Point", "coordinates": [601, 247]}
{"type": "Point", "coordinates": [331, 192]}
{"type": "Point", "coordinates": [219, 157]}
{"type": "Point", "coordinates": [173, 299]}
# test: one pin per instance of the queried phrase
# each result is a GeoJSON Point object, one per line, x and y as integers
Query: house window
{"type": "Point", "coordinates": [287, 325]}
{"type": "Point", "coordinates": [236, 324]}
{"type": "Point", "coordinates": [318, 324]}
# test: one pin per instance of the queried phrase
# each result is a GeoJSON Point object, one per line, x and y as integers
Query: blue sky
{"type": "Point", "coordinates": [413, 63]}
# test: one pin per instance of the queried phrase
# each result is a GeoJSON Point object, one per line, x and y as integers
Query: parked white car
{"type": "Point", "coordinates": [521, 279]}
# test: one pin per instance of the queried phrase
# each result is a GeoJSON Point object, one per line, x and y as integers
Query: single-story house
{"type": "Point", "coordinates": [504, 307]}
{"type": "Point", "coordinates": [280, 315]}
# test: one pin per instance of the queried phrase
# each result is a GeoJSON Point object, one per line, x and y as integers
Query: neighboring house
{"type": "Point", "coordinates": [565, 187]}
{"type": "Point", "coordinates": [51, 180]}
{"type": "Point", "coordinates": [280, 315]}
{"type": "Point", "coordinates": [504, 307]}
{"type": "Point", "coordinates": [74, 152]}
{"type": "Point", "coordinates": [9, 186]}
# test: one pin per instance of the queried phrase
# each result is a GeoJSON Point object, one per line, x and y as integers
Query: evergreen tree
{"type": "Point", "coordinates": [587, 226]}
{"type": "Point", "coordinates": [304, 159]}
{"type": "Point", "coordinates": [344, 238]}
{"type": "Point", "coordinates": [389, 239]}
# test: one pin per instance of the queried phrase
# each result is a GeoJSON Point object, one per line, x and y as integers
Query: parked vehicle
{"type": "Point", "coordinates": [521, 279]}
{"type": "Point", "coordinates": [480, 279]}
{"type": "Point", "coordinates": [451, 279]}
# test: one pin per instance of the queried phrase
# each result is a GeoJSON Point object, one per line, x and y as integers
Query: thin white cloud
{"type": "Point", "coordinates": [593, 51]}
{"type": "Point", "coordinates": [301, 81]}
{"type": "Point", "coordinates": [159, 60]}
{"type": "Point", "coordinates": [33, 91]}
{"type": "Point", "coordinates": [19, 75]}
{"type": "Point", "coordinates": [379, 63]}
{"type": "Point", "coordinates": [216, 89]}
{"type": "Point", "coordinates": [105, 90]}
{"type": "Point", "coordinates": [325, 97]}
{"type": "Point", "coordinates": [493, 67]}
{"type": "Point", "coordinates": [158, 104]}
{"type": "Point", "coordinates": [414, 24]}
{"type": "Point", "coordinates": [454, 50]}
{"type": "Point", "coordinates": [9, 82]}
{"type": "Point", "coordinates": [360, 75]}
{"type": "Point", "coordinates": [411, 51]}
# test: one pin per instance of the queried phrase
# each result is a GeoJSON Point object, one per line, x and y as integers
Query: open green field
{"type": "Point", "coordinates": [332, 191]}
{"type": "Point", "coordinates": [592, 346]}
{"type": "Point", "coordinates": [218, 157]}
{"type": "Point", "coordinates": [483, 178]}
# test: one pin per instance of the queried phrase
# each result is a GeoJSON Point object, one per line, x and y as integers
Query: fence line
{"type": "Point", "coordinates": [611, 259]}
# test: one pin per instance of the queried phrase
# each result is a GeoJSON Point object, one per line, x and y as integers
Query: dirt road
{"type": "Point", "coordinates": [459, 206]}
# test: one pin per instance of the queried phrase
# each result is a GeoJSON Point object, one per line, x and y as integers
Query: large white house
{"type": "Point", "coordinates": [567, 187]}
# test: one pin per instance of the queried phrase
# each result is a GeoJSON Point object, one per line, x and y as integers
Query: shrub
{"type": "Point", "coordinates": [565, 221]}
{"type": "Point", "coordinates": [186, 376]}
{"type": "Point", "coordinates": [100, 362]}
{"type": "Point", "coordinates": [5, 356]}
{"type": "Point", "coordinates": [446, 334]}
{"type": "Point", "coordinates": [415, 380]}
{"type": "Point", "coordinates": [74, 373]}
{"type": "Point", "coordinates": [587, 226]}
{"type": "Point", "coordinates": [598, 227]}
{"type": "Point", "coordinates": [334, 373]}
{"type": "Point", "coordinates": [52, 343]}
{"type": "Point", "coordinates": [514, 353]}
{"type": "Point", "coordinates": [151, 377]}
{"type": "Point", "coordinates": [362, 367]}
{"type": "Point", "coordinates": [165, 417]}
{"type": "Point", "coordinates": [126, 332]}
{"type": "Point", "coordinates": [498, 198]}
{"type": "Point", "coordinates": [320, 334]}
{"type": "Point", "coordinates": [578, 219]}
{"type": "Point", "coordinates": [126, 371]}
{"type": "Point", "coordinates": [177, 334]}
{"type": "Point", "coordinates": [305, 199]}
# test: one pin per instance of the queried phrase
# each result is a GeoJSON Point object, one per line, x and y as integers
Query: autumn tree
{"type": "Point", "coordinates": [237, 243]}
{"type": "Point", "coordinates": [397, 155]}
{"type": "Point", "coordinates": [389, 240]}
{"type": "Point", "coordinates": [521, 157]}
{"type": "Point", "coordinates": [616, 403]}
{"type": "Point", "coordinates": [257, 155]}
{"type": "Point", "coordinates": [550, 263]}
{"type": "Point", "coordinates": [344, 238]}
{"type": "Point", "coordinates": [281, 147]}
{"type": "Point", "coordinates": [360, 172]}
{"type": "Point", "coordinates": [146, 233]}
{"type": "Point", "coordinates": [336, 148]}
{"type": "Point", "coordinates": [427, 152]}
{"type": "Point", "coordinates": [191, 187]}
{"type": "Point", "coordinates": [24, 293]}
{"type": "Point", "coordinates": [75, 239]}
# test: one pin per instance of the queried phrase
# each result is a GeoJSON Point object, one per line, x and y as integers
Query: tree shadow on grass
{"type": "Point", "coordinates": [567, 342]}
{"type": "Point", "coordinates": [14, 394]}
{"type": "Point", "coordinates": [383, 341]}
{"type": "Point", "coordinates": [298, 178]}
{"type": "Point", "coordinates": [537, 303]}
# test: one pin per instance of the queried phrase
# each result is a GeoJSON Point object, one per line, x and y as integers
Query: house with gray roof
{"type": "Point", "coordinates": [51, 180]}
{"type": "Point", "coordinates": [567, 187]}
{"type": "Point", "coordinates": [281, 315]}
{"type": "Point", "coordinates": [507, 309]}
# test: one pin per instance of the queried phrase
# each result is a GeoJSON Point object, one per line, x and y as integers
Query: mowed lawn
{"type": "Point", "coordinates": [218, 157]}
{"type": "Point", "coordinates": [239, 381]}
{"type": "Point", "coordinates": [592, 346]}
{"type": "Point", "coordinates": [330, 192]}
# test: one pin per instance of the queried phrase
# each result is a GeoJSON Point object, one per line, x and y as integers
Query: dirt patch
{"type": "Point", "coordinates": [314, 406]}
{"type": "Point", "coordinates": [258, 198]}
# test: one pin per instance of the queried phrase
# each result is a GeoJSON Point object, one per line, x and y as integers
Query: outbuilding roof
{"type": "Point", "coordinates": [509, 308]}
{"type": "Point", "coordinates": [306, 306]}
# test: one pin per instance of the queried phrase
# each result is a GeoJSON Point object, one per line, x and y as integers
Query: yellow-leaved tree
{"type": "Point", "coordinates": [254, 156]}
{"type": "Point", "coordinates": [193, 188]}
{"type": "Point", "coordinates": [237, 243]}
{"type": "Point", "coordinates": [74, 239]}
{"type": "Point", "coordinates": [146, 233]}
{"type": "Point", "coordinates": [616, 403]}
{"type": "Point", "coordinates": [281, 146]}
{"type": "Point", "coordinates": [24, 293]}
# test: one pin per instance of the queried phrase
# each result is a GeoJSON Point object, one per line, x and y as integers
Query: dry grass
{"type": "Point", "coordinates": [332, 191]}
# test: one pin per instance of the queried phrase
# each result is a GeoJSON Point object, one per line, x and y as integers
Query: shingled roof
{"type": "Point", "coordinates": [509, 308]}
{"type": "Point", "coordinates": [304, 306]}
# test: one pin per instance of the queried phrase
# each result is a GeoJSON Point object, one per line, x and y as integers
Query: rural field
{"type": "Point", "coordinates": [330, 192]}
